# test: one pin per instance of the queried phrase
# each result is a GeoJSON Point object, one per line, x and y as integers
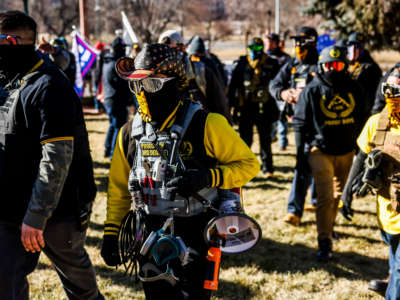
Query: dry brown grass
{"type": "Point", "coordinates": [282, 266]}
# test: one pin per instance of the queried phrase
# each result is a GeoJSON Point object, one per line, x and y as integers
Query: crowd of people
{"type": "Point", "coordinates": [179, 157]}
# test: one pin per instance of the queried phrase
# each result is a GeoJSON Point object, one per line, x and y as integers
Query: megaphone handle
{"type": "Point", "coordinates": [203, 201]}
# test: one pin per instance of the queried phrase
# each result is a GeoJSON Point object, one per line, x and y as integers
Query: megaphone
{"type": "Point", "coordinates": [234, 232]}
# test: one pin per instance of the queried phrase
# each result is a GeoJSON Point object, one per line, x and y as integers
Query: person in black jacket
{"type": "Point", "coordinates": [248, 94]}
{"type": "Point", "coordinates": [46, 172]}
{"type": "Point", "coordinates": [281, 126]}
{"type": "Point", "coordinates": [380, 100]}
{"type": "Point", "coordinates": [117, 96]}
{"type": "Point", "coordinates": [363, 68]}
{"type": "Point", "coordinates": [203, 85]}
{"type": "Point", "coordinates": [327, 117]}
{"type": "Point", "coordinates": [286, 87]}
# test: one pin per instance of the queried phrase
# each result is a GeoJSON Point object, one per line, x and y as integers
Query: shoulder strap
{"type": "Point", "coordinates": [137, 126]}
{"type": "Point", "coordinates": [183, 120]}
{"type": "Point", "coordinates": [382, 129]}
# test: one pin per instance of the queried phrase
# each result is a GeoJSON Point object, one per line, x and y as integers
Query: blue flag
{"type": "Point", "coordinates": [324, 41]}
{"type": "Point", "coordinates": [85, 57]}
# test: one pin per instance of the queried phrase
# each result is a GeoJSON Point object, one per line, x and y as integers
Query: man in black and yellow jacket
{"type": "Point", "coordinates": [212, 152]}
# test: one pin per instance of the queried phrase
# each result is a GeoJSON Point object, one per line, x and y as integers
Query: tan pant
{"type": "Point", "coordinates": [330, 174]}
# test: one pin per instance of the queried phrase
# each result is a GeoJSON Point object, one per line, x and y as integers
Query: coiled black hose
{"type": "Point", "coordinates": [131, 237]}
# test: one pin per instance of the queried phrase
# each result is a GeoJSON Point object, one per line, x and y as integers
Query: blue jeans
{"type": "Point", "coordinates": [301, 182]}
{"type": "Point", "coordinates": [117, 119]}
{"type": "Point", "coordinates": [282, 131]}
{"type": "Point", "coordinates": [393, 290]}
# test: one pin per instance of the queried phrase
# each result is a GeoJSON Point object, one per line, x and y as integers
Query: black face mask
{"type": "Point", "coordinates": [14, 60]}
{"type": "Point", "coordinates": [334, 77]}
{"type": "Point", "coordinates": [162, 103]}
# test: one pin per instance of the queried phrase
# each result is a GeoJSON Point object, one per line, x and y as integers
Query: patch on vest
{"type": "Point", "coordinates": [149, 150]}
{"type": "Point", "coordinates": [186, 150]}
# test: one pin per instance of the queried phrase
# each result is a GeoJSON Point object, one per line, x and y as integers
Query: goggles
{"type": "Point", "coordinates": [335, 65]}
{"type": "Point", "coordinates": [390, 90]}
{"type": "Point", "coordinates": [255, 48]}
{"type": "Point", "coordinates": [149, 84]}
{"type": "Point", "coordinates": [11, 39]}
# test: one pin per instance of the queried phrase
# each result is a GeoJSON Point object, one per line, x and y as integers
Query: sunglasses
{"type": "Point", "coordinates": [149, 84]}
{"type": "Point", "coordinates": [391, 90]}
{"type": "Point", "coordinates": [303, 40]}
{"type": "Point", "coordinates": [11, 39]}
{"type": "Point", "coordinates": [255, 48]}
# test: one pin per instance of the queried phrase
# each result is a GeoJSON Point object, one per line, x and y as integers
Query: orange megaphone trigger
{"type": "Point", "coordinates": [213, 264]}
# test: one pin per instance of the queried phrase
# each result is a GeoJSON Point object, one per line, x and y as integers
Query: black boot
{"type": "Point", "coordinates": [379, 286]}
{"type": "Point", "coordinates": [324, 253]}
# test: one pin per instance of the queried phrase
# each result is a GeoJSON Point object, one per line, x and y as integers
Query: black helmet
{"type": "Point", "coordinates": [196, 46]}
{"type": "Point", "coordinates": [331, 54]}
{"type": "Point", "coordinates": [356, 38]}
{"type": "Point", "coordinates": [256, 41]}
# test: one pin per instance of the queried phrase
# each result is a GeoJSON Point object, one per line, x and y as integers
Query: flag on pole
{"type": "Point", "coordinates": [128, 35]}
{"type": "Point", "coordinates": [85, 57]}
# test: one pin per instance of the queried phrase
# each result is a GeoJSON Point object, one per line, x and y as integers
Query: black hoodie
{"type": "Point", "coordinates": [329, 115]}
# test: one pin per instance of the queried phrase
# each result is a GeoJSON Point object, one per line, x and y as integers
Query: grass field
{"type": "Point", "coordinates": [282, 266]}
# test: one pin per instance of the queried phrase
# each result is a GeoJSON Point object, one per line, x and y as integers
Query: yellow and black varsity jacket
{"type": "Point", "coordinates": [209, 140]}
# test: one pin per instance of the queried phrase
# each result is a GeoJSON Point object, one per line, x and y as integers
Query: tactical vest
{"type": "Point", "coordinates": [152, 168]}
{"type": "Point", "coordinates": [16, 165]}
{"type": "Point", "coordinates": [389, 144]}
{"type": "Point", "coordinates": [21, 152]}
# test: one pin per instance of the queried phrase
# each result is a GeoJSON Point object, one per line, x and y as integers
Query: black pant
{"type": "Point", "coordinates": [191, 277]}
{"type": "Point", "coordinates": [249, 118]}
{"type": "Point", "coordinates": [64, 248]}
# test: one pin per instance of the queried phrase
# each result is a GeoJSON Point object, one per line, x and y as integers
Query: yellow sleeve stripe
{"type": "Point", "coordinates": [120, 142]}
{"type": "Point", "coordinates": [61, 138]}
{"type": "Point", "coordinates": [110, 233]}
{"type": "Point", "coordinates": [212, 177]}
{"type": "Point", "coordinates": [217, 178]}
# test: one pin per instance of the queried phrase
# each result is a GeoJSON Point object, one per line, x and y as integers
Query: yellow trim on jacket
{"type": "Point", "coordinates": [118, 196]}
{"type": "Point", "coordinates": [56, 139]}
{"type": "Point", "coordinates": [236, 161]}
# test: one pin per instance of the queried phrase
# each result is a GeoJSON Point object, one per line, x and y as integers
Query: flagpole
{"type": "Point", "coordinates": [82, 18]}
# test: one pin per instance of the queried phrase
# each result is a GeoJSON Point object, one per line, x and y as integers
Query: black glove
{"type": "Point", "coordinates": [346, 212]}
{"type": "Point", "coordinates": [302, 165]}
{"type": "Point", "coordinates": [349, 188]}
{"type": "Point", "coordinates": [189, 182]}
{"type": "Point", "coordinates": [235, 116]}
{"type": "Point", "coordinates": [109, 250]}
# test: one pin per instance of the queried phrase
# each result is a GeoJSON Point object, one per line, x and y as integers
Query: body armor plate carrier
{"type": "Point", "coordinates": [152, 168]}
{"type": "Point", "coordinates": [389, 144]}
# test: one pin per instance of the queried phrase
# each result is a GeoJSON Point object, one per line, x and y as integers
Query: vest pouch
{"type": "Point", "coordinates": [395, 192]}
